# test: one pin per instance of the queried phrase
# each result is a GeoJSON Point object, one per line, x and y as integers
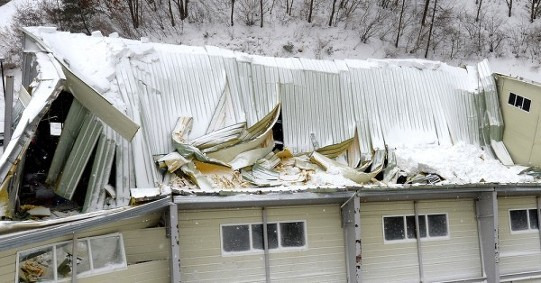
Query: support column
{"type": "Point", "coordinates": [8, 104]}
{"type": "Point", "coordinates": [174, 238]}
{"type": "Point", "coordinates": [266, 245]}
{"type": "Point", "coordinates": [419, 248]}
{"type": "Point", "coordinates": [351, 226]}
{"type": "Point", "coordinates": [487, 215]}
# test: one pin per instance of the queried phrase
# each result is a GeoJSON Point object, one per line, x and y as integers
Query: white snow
{"type": "Point", "coordinates": [458, 164]}
{"type": "Point", "coordinates": [7, 11]}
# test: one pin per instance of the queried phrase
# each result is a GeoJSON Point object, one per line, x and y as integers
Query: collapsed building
{"type": "Point", "coordinates": [192, 163]}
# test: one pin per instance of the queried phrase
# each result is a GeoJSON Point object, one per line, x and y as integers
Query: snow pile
{"type": "Point", "coordinates": [457, 164]}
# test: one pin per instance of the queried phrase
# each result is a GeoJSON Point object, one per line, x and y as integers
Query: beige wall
{"type": "Point", "coordinates": [454, 258]}
{"type": "Point", "coordinates": [322, 261]}
{"type": "Point", "coordinates": [522, 133]}
{"type": "Point", "coordinates": [141, 244]}
{"type": "Point", "coordinates": [519, 252]}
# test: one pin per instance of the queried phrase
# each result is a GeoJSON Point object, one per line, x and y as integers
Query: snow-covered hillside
{"type": "Point", "coordinates": [463, 32]}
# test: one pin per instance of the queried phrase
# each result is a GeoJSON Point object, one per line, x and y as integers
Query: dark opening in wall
{"type": "Point", "coordinates": [278, 134]}
{"type": "Point", "coordinates": [40, 153]}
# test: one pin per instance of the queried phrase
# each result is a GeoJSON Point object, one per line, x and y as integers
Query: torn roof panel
{"type": "Point", "coordinates": [388, 103]}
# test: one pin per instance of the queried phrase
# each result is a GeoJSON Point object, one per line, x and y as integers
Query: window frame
{"type": "Point", "coordinates": [89, 273]}
{"type": "Point", "coordinates": [521, 106]}
{"type": "Point", "coordinates": [525, 231]}
{"type": "Point", "coordinates": [413, 240]}
{"type": "Point", "coordinates": [253, 251]}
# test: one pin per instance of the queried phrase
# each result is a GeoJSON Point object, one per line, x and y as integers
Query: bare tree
{"type": "Point", "coordinates": [289, 6]}
{"type": "Point", "coordinates": [425, 12]}
{"type": "Point", "coordinates": [133, 6]}
{"type": "Point", "coordinates": [310, 11]}
{"type": "Point", "coordinates": [170, 8]}
{"type": "Point", "coordinates": [534, 6]}
{"type": "Point", "coordinates": [261, 12]}
{"type": "Point", "coordinates": [509, 6]}
{"type": "Point", "coordinates": [399, 25]}
{"type": "Point", "coordinates": [182, 6]}
{"type": "Point", "coordinates": [479, 10]}
{"type": "Point", "coordinates": [431, 26]}
{"type": "Point", "coordinates": [332, 12]}
{"type": "Point", "coordinates": [232, 10]}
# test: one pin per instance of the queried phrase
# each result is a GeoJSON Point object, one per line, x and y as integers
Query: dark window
{"type": "Point", "coordinates": [410, 227]}
{"type": "Point", "coordinates": [257, 236]}
{"type": "Point", "coordinates": [236, 238]}
{"type": "Point", "coordinates": [512, 99]}
{"type": "Point", "coordinates": [437, 225]}
{"type": "Point", "coordinates": [526, 105]}
{"type": "Point", "coordinates": [393, 228]}
{"type": "Point", "coordinates": [518, 102]}
{"type": "Point", "coordinates": [292, 234]}
{"type": "Point", "coordinates": [533, 218]}
{"type": "Point", "coordinates": [519, 220]}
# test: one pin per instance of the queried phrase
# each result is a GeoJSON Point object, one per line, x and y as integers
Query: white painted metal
{"type": "Point", "coordinates": [519, 251]}
{"type": "Point", "coordinates": [455, 257]}
{"type": "Point", "coordinates": [322, 261]}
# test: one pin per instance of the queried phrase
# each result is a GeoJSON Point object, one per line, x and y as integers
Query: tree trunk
{"type": "Point", "coordinates": [232, 10]}
{"type": "Point", "coordinates": [431, 26]}
{"type": "Point", "coordinates": [478, 10]}
{"type": "Point", "coordinates": [171, 13]}
{"type": "Point", "coordinates": [425, 12]}
{"type": "Point", "coordinates": [399, 25]}
{"type": "Point", "coordinates": [310, 11]}
{"type": "Point", "coordinates": [185, 9]}
{"type": "Point", "coordinates": [332, 12]}
{"type": "Point", "coordinates": [510, 5]}
{"type": "Point", "coordinates": [133, 6]}
{"type": "Point", "coordinates": [290, 7]}
{"type": "Point", "coordinates": [261, 12]}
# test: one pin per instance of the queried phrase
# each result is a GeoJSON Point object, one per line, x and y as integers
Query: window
{"type": "Point", "coordinates": [403, 227]}
{"type": "Point", "coordinates": [53, 263]}
{"type": "Point", "coordinates": [240, 238]}
{"type": "Point", "coordinates": [519, 102]}
{"type": "Point", "coordinates": [523, 220]}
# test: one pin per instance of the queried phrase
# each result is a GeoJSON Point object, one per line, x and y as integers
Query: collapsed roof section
{"type": "Point", "coordinates": [213, 119]}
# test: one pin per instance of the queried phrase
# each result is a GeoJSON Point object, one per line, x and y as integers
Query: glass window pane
{"type": "Point", "coordinates": [292, 234]}
{"type": "Point", "coordinates": [422, 225]}
{"type": "Point", "coordinates": [64, 259]}
{"type": "Point", "coordinates": [393, 228]}
{"type": "Point", "coordinates": [257, 236]}
{"type": "Point", "coordinates": [236, 238]}
{"type": "Point", "coordinates": [512, 98]}
{"type": "Point", "coordinates": [437, 225]}
{"type": "Point", "coordinates": [518, 220]}
{"type": "Point", "coordinates": [36, 265]}
{"type": "Point", "coordinates": [533, 218]}
{"type": "Point", "coordinates": [410, 227]}
{"type": "Point", "coordinates": [107, 252]}
{"type": "Point", "coordinates": [519, 100]}
{"type": "Point", "coordinates": [272, 231]}
{"type": "Point", "coordinates": [526, 105]}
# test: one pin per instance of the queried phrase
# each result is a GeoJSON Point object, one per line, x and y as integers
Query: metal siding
{"type": "Point", "coordinates": [70, 131]}
{"type": "Point", "coordinates": [200, 246]}
{"type": "Point", "coordinates": [99, 176]}
{"type": "Point", "coordinates": [447, 259]}
{"type": "Point", "coordinates": [79, 156]}
{"type": "Point", "coordinates": [519, 252]}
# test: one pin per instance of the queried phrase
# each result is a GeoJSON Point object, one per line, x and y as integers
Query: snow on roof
{"type": "Point", "coordinates": [229, 109]}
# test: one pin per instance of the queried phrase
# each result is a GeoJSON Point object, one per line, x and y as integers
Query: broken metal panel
{"type": "Point", "coordinates": [102, 108]}
{"type": "Point", "coordinates": [70, 131]}
{"type": "Point", "coordinates": [124, 178]}
{"type": "Point", "coordinates": [78, 157]}
{"type": "Point", "coordinates": [99, 176]}
{"type": "Point", "coordinates": [46, 89]}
